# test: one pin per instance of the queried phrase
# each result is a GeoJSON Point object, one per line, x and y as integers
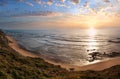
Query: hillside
{"type": "Point", "coordinates": [15, 66]}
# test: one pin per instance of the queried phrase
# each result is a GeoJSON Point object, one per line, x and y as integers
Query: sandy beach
{"type": "Point", "coordinates": [96, 66]}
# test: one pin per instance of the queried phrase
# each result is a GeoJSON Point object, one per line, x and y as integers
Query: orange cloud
{"type": "Point", "coordinates": [75, 1]}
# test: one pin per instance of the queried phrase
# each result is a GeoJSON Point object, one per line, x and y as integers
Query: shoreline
{"type": "Point", "coordinates": [96, 66]}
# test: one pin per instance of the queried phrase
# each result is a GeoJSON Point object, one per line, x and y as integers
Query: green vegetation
{"type": "Point", "coordinates": [15, 66]}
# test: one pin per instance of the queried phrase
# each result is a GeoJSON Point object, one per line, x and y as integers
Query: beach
{"type": "Point", "coordinates": [96, 66]}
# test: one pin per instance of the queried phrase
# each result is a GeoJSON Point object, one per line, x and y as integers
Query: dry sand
{"type": "Point", "coordinates": [97, 66]}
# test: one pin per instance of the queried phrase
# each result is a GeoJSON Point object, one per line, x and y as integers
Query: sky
{"type": "Point", "coordinates": [37, 14]}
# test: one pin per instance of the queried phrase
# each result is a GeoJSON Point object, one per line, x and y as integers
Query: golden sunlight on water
{"type": "Point", "coordinates": [92, 31]}
{"type": "Point", "coordinates": [92, 42]}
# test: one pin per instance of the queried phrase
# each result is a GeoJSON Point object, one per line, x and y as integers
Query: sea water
{"type": "Point", "coordinates": [69, 46]}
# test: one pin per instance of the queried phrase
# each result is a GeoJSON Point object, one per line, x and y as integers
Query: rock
{"type": "Point", "coordinates": [95, 56]}
{"type": "Point", "coordinates": [114, 54]}
{"type": "Point", "coordinates": [113, 41]}
{"type": "Point", "coordinates": [71, 69]}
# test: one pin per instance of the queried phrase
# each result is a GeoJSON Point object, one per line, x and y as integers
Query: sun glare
{"type": "Point", "coordinates": [91, 31]}
{"type": "Point", "coordinates": [92, 41]}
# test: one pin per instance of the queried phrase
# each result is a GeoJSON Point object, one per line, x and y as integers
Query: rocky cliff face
{"type": "Point", "coordinates": [15, 66]}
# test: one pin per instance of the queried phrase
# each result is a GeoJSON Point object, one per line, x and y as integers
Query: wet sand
{"type": "Point", "coordinates": [96, 66]}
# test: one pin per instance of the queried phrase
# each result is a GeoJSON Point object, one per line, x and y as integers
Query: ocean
{"type": "Point", "coordinates": [69, 46]}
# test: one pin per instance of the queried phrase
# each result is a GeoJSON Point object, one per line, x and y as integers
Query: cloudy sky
{"type": "Point", "coordinates": [36, 14]}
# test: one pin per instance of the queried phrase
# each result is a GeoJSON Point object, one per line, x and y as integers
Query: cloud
{"type": "Point", "coordinates": [75, 1]}
{"type": "Point", "coordinates": [62, 0]}
{"type": "Point", "coordinates": [70, 21]}
{"type": "Point", "coordinates": [106, 1]}
{"type": "Point", "coordinates": [61, 5]}
{"type": "Point", "coordinates": [50, 2]}
{"type": "Point", "coordinates": [28, 3]}
{"type": "Point", "coordinates": [88, 7]}
{"type": "Point", "coordinates": [40, 13]}
{"type": "Point", "coordinates": [38, 1]}
{"type": "Point", "coordinates": [86, 4]}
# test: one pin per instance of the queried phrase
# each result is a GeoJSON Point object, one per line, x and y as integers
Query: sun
{"type": "Point", "coordinates": [92, 22]}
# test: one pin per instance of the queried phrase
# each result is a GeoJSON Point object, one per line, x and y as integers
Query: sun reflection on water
{"type": "Point", "coordinates": [92, 41]}
{"type": "Point", "coordinates": [92, 44]}
{"type": "Point", "coordinates": [92, 31]}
